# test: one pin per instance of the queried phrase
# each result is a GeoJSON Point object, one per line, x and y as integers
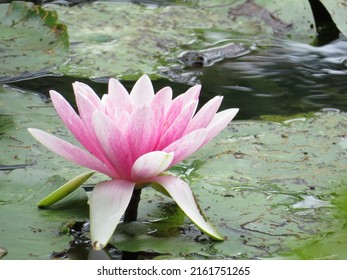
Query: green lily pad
{"type": "Point", "coordinates": [124, 40]}
{"type": "Point", "coordinates": [270, 189]}
{"type": "Point", "coordinates": [26, 231]}
{"type": "Point", "coordinates": [277, 182]}
{"type": "Point", "coordinates": [338, 12]}
{"type": "Point", "coordinates": [32, 41]}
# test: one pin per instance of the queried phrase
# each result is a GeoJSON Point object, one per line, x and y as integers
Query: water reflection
{"type": "Point", "coordinates": [285, 78]}
{"type": "Point", "coordinates": [282, 78]}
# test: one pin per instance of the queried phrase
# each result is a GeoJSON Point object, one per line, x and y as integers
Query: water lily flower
{"type": "Point", "coordinates": [133, 138]}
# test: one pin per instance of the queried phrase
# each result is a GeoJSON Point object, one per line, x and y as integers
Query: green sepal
{"type": "Point", "coordinates": [64, 190]}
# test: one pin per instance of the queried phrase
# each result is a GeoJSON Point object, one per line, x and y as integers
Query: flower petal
{"type": "Point", "coordinates": [87, 92]}
{"type": "Point", "coordinates": [191, 94]}
{"type": "Point", "coordinates": [80, 128]}
{"type": "Point", "coordinates": [219, 122]}
{"type": "Point", "coordinates": [184, 197]}
{"type": "Point", "coordinates": [86, 105]}
{"type": "Point", "coordinates": [178, 126]}
{"type": "Point", "coordinates": [108, 203]}
{"type": "Point", "coordinates": [186, 145]}
{"type": "Point", "coordinates": [205, 115]}
{"type": "Point", "coordinates": [163, 97]}
{"type": "Point", "coordinates": [151, 164]}
{"type": "Point", "coordinates": [142, 91]}
{"type": "Point", "coordinates": [69, 151]}
{"type": "Point", "coordinates": [114, 144]}
{"type": "Point", "coordinates": [119, 96]}
{"type": "Point", "coordinates": [69, 117]}
{"type": "Point", "coordinates": [142, 131]}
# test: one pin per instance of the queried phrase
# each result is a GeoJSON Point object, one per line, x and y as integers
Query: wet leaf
{"type": "Point", "coordinates": [32, 41]}
{"type": "Point", "coordinates": [338, 12]}
{"type": "Point", "coordinates": [124, 40]}
{"type": "Point", "coordinates": [26, 231]}
{"type": "Point", "coordinates": [271, 185]}
{"type": "Point", "coordinates": [3, 252]}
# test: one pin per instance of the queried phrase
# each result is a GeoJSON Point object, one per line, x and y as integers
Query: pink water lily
{"type": "Point", "coordinates": [133, 138]}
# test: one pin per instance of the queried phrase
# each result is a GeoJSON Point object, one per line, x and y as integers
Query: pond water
{"type": "Point", "coordinates": [284, 78]}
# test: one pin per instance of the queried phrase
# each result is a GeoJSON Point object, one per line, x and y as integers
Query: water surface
{"type": "Point", "coordinates": [283, 78]}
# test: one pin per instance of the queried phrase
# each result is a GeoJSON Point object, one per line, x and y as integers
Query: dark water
{"type": "Point", "coordinates": [283, 78]}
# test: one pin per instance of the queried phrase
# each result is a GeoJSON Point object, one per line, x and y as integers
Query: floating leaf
{"type": "Point", "coordinates": [26, 231]}
{"type": "Point", "coordinates": [32, 41]}
{"type": "Point", "coordinates": [124, 40]}
{"type": "Point", "coordinates": [338, 12]}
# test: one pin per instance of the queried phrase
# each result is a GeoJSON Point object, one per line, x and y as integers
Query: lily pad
{"type": "Point", "coordinates": [26, 231]}
{"type": "Point", "coordinates": [32, 41]}
{"type": "Point", "coordinates": [338, 12]}
{"type": "Point", "coordinates": [277, 182]}
{"type": "Point", "coordinates": [124, 40]}
{"type": "Point", "coordinates": [269, 187]}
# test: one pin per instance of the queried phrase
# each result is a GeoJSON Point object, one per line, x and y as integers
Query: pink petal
{"type": "Point", "coordinates": [205, 115]}
{"type": "Point", "coordinates": [69, 151]}
{"type": "Point", "coordinates": [184, 197]}
{"type": "Point", "coordinates": [141, 131]}
{"type": "Point", "coordinates": [114, 144]}
{"type": "Point", "coordinates": [84, 132]}
{"type": "Point", "coordinates": [163, 97]}
{"type": "Point", "coordinates": [180, 102]}
{"type": "Point", "coordinates": [186, 145]}
{"type": "Point", "coordinates": [178, 126]}
{"type": "Point", "coordinates": [191, 94]}
{"type": "Point", "coordinates": [108, 203]}
{"type": "Point", "coordinates": [69, 117]}
{"type": "Point", "coordinates": [86, 106]}
{"type": "Point", "coordinates": [119, 96]}
{"type": "Point", "coordinates": [219, 122]}
{"type": "Point", "coordinates": [150, 165]}
{"type": "Point", "coordinates": [142, 91]}
{"type": "Point", "coordinates": [87, 92]}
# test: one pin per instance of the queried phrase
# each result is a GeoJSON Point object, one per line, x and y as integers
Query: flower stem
{"type": "Point", "coordinates": [131, 211]}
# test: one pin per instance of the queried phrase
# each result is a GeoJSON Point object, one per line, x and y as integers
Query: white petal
{"type": "Point", "coordinates": [184, 197]}
{"type": "Point", "coordinates": [151, 164]}
{"type": "Point", "coordinates": [118, 96]}
{"type": "Point", "coordinates": [108, 203]}
{"type": "Point", "coordinates": [142, 92]}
